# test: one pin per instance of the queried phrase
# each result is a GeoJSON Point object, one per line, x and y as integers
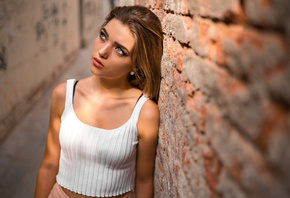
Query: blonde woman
{"type": "Point", "coordinates": [103, 129]}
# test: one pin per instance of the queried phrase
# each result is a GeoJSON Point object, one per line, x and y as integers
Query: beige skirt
{"type": "Point", "coordinates": [57, 192]}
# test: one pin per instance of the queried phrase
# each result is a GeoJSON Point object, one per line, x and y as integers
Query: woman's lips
{"type": "Point", "coordinates": [98, 63]}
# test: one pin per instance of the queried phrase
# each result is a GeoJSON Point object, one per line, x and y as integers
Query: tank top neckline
{"type": "Point", "coordinates": [98, 128]}
{"type": "Point", "coordinates": [102, 129]}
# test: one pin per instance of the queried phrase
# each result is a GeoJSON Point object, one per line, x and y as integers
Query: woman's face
{"type": "Point", "coordinates": [111, 55]}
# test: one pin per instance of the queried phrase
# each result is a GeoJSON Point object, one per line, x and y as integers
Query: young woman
{"type": "Point", "coordinates": [103, 129]}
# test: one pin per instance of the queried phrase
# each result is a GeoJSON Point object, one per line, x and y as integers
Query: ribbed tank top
{"type": "Point", "coordinates": [94, 161]}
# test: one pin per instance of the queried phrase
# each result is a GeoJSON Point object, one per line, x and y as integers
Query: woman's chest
{"type": "Point", "coordinates": [104, 114]}
{"type": "Point", "coordinates": [84, 143]}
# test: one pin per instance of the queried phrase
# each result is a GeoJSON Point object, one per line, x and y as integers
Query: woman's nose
{"type": "Point", "coordinates": [104, 51]}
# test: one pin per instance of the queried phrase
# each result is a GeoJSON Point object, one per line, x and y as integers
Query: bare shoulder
{"type": "Point", "coordinates": [58, 98]}
{"type": "Point", "coordinates": [148, 123]}
{"type": "Point", "coordinates": [149, 111]}
{"type": "Point", "coordinates": [59, 92]}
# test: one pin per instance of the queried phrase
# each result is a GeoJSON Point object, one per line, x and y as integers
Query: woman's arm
{"type": "Point", "coordinates": [148, 126]}
{"type": "Point", "coordinates": [49, 166]}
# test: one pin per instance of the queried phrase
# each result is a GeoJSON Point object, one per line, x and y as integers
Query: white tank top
{"type": "Point", "coordinates": [94, 161]}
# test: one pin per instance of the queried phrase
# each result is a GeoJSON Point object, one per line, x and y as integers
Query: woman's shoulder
{"type": "Point", "coordinates": [150, 110]}
{"type": "Point", "coordinates": [59, 91]}
{"type": "Point", "coordinates": [148, 123]}
{"type": "Point", "coordinates": [58, 98]}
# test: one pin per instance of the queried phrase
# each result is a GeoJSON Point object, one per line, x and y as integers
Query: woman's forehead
{"type": "Point", "coordinates": [120, 33]}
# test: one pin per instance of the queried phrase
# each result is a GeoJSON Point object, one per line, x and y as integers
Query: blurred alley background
{"type": "Point", "coordinates": [42, 43]}
{"type": "Point", "coordinates": [224, 98]}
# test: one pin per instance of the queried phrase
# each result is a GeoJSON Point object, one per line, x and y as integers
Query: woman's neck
{"type": "Point", "coordinates": [111, 86]}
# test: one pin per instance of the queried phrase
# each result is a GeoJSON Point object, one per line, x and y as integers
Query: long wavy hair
{"type": "Point", "coordinates": [148, 47]}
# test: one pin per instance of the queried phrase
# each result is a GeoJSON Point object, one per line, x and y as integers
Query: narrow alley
{"type": "Point", "coordinates": [21, 152]}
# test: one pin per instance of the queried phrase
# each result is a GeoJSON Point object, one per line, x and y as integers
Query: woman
{"type": "Point", "coordinates": [103, 129]}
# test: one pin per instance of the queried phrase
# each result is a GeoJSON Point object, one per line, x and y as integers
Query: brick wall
{"type": "Point", "coordinates": [225, 99]}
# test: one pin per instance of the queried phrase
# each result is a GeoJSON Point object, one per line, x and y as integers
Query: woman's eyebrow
{"type": "Point", "coordinates": [105, 31]}
{"type": "Point", "coordinates": [120, 45]}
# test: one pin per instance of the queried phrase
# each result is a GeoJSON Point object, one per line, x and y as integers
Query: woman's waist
{"type": "Point", "coordinates": [72, 194]}
{"type": "Point", "coordinates": [97, 184]}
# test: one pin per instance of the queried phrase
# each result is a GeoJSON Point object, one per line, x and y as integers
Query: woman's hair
{"type": "Point", "coordinates": [148, 48]}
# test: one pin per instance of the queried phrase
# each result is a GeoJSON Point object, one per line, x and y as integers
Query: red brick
{"type": "Point", "coordinates": [208, 40]}
{"type": "Point", "coordinates": [179, 55]}
{"type": "Point", "coordinates": [194, 102]}
{"type": "Point", "coordinates": [228, 84]}
{"type": "Point", "coordinates": [235, 170]}
{"type": "Point", "coordinates": [159, 4]}
{"type": "Point", "coordinates": [230, 9]}
{"type": "Point", "coordinates": [274, 121]}
{"type": "Point", "coordinates": [268, 12]}
{"type": "Point", "coordinates": [178, 79]}
{"type": "Point", "coordinates": [212, 169]}
{"type": "Point", "coordinates": [143, 2]}
{"type": "Point", "coordinates": [203, 110]}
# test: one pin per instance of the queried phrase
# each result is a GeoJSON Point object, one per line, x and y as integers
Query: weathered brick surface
{"type": "Point", "coordinates": [224, 99]}
{"type": "Point", "coordinates": [219, 9]}
{"type": "Point", "coordinates": [273, 13]}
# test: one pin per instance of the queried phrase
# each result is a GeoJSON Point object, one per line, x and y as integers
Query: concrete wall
{"type": "Point", "coordinates": [38, 41]}
{"type": "Point", "coordinates": [93, 15]}
{"type": "Point", "coordinates": [225, 99]}
{"type": "Point", "coordinates": [124, 2]}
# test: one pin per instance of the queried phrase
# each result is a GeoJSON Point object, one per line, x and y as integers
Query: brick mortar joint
{"type": "Point", "coordinates": [175, 94]}
{"type": "Point", "coordinates": [183, 44]}
{"type": "Point", "coordinates": [278, 30]}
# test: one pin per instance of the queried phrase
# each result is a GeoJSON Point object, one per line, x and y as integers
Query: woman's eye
{"type": "Point", "coordinates": [102, 36]}
{"type": "Point", "coordinates": [120, 51]}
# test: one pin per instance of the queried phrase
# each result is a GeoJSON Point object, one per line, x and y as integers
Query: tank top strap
{"type": "Point", "coordinates": [138, 107]}
{"type": "Point", "coordinates": [69, 92]}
